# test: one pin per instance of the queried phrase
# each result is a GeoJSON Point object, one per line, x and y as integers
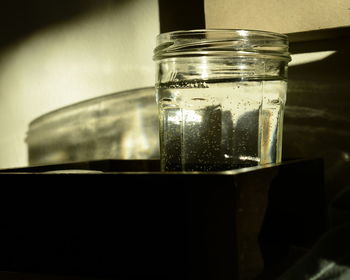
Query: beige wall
{"type": "Point", "coordinates": [100, 52]}
{"type": "Point", "coordinates": [281, 16]}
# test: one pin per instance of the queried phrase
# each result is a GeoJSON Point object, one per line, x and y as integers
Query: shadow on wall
{"type": "Point", "coordinates": [317, 116]}
{"type": "Point", "coordinates": [20, 18]}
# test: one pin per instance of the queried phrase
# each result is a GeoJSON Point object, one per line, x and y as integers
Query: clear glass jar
{"type": "Point", "coordinates": [221, 97]}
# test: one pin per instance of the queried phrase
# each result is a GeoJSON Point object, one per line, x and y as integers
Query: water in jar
{"type": "Point", "coordinates": [220, 125]}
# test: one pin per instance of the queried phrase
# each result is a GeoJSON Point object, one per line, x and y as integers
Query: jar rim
{"type": "Point", "coordinates": [221, 42]}
{"type": "Point", "coordinates": [240, 32]}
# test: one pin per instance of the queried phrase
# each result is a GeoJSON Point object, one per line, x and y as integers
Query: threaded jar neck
{"type": "Point", "coordinates": [222, 42]}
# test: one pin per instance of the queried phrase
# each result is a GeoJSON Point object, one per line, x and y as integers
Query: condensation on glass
{"type": "Point", "coordinates": [221, 97]}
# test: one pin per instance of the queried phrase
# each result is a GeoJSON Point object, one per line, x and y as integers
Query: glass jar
{"type": "Point", "coordinates": [221, 97]}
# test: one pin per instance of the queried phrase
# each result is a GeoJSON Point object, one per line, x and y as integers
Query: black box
{"type": "Point", "coordinates": [133, 222]}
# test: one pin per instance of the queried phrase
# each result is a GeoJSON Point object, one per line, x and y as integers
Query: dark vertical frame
{"type": "Point", "coordinates": [181, 15]}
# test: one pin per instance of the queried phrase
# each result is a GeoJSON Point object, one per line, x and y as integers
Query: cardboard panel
{"type": "Point", "coordinates": [281, 16]}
